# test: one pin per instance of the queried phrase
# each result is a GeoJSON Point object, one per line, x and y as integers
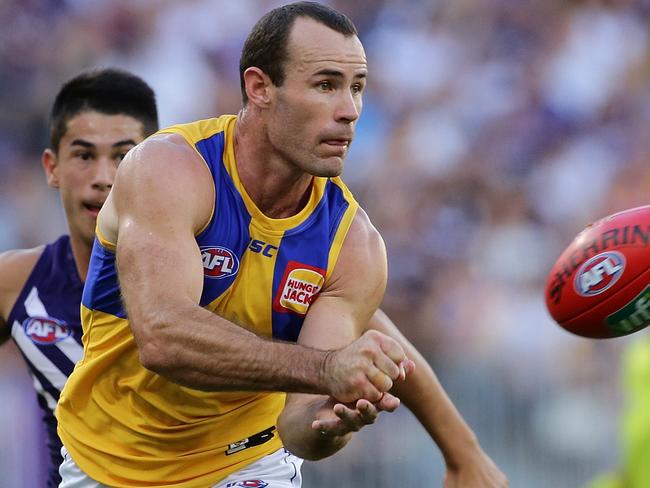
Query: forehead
{"type": "Point", "coordinates": [99, 128]}
{"type": "Point", "coordinates": [313, 45]}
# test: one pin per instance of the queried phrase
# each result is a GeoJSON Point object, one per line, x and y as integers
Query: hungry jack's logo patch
{"type": "Point", "coordinates": [299, 287]}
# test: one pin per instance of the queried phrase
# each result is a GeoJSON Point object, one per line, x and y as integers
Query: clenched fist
{"type": "Point", "coordinates": [366, 368]}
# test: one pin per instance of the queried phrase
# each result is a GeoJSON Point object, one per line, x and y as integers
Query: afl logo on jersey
{"type": "Point", "coordinates": [219, 262]}
{"type": "Point", "coordinates": [248, 484]}
{"type": "Point", "coordinates": [46, 330]}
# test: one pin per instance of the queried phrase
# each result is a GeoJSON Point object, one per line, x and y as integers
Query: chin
{"type": "Point", "coordinates": [328, 168]}
{"type": "Point", "coordinates": [88, 234]}
{"type": "Point", "coordinates": [89, 239]}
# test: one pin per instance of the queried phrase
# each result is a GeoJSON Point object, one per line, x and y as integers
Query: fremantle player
{"type": "Point", "coordinates": [96, 118]}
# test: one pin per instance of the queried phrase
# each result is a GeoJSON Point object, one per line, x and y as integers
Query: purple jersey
{"type": "Point", "coordinates": [46, 327]}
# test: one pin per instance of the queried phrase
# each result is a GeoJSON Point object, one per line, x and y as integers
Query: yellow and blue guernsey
{"type": "Point", "coordinates": [126, 426]}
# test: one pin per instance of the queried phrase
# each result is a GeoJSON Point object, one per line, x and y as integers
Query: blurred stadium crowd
{"type": "Point", "coordinates": [493, 131]}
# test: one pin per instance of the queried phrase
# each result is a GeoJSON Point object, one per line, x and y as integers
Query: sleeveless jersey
{"type": "Point", "coordinates": [126, 426]}
{"type": "Point", "coordinates": [46, 327]}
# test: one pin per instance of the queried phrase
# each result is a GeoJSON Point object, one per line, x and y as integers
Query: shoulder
{"type": "Point", "coordinates": [163, 174]}
{"type": "Point", "coordinates": [202, 129]}
{"type": "Point", "coordinates": [363, 239]}
{"type": "Point", "coordinates": [169, 151]}
{"type": "Point", "coordinates": [362, 225]}
{"type": "Point", "coordinates": [18, 263]}
{"type": "Point", "coordinates": [15, 268]}
{"type": "Point", "coordinates": [363, 254]}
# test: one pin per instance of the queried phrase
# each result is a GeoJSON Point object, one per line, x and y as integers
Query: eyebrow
{"type": "Point", "coordinates": [82, 143]}
{"type": "Point", "coordinates": [336, 73]}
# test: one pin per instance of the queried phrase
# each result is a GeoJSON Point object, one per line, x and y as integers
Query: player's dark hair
{"type": "Point", "coordinates": [107, 91]}
{"type": "Point", "coordinates": [266, 45]}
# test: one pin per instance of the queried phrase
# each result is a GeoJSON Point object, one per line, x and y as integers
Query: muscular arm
{"type": "Point", "coordinates": [15, 268]}
{"type": "Point", "coordinates": [162, 197]}
{"type": "Point", "coordinates": [422, 393]}
{"type": "Point", "coordinates": [335, 319]}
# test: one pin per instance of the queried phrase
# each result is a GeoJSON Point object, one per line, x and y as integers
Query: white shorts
{"type": "Point", "coordinates": [280, 469]}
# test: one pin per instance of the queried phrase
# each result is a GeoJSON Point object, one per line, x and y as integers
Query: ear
{"type": "Point", "coordinates": [51, 167]}
{"type": "Point", "coordinates": [258, 86]}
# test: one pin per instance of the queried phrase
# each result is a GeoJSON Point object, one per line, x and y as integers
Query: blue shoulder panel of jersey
{"type": "Point", "coordinates": [302, 247]}
{"type": "Point", "coordinates": [227, 232]}
{"type": "Point", "coordinates": [102, 290]}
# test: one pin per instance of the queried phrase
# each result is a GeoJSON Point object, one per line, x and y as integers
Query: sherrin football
{"type": "Point", "coordinates": [600, 285]}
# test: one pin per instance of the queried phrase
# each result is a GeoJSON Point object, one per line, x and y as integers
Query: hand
{"type": "Point", "coordinates": [477, 470]}
{"type": "Point", "coordinates": [337, 419]}
{"type": "Point", "coordinates": [366, 369]}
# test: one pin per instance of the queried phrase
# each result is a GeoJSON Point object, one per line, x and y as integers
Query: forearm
{"type": "Point", "coordinates": [295, 428]}
{"type": "Point", "coordinates": [193, 347]}
{"type": "Point", "coordinates": [423, 394]}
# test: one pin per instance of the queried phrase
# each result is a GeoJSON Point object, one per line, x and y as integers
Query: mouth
{"type": "Point", "coordinates": [337, 146]}
{"type": "Point", "coordinates": [93, 208]}
{"type": "Point", "coordinates": [338, 141]}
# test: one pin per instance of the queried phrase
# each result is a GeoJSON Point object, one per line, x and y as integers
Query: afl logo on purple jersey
{"type": "Point", "coordinates": [219, 262]}
{"type": "Point", "coordinates": [46, 330]}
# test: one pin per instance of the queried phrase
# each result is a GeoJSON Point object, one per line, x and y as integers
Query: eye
{"type": "Point", "coordinates": [121, 153]}
{"type": "Point", "coordinates": [85, 155]}
{"type": "Point", "coordinates": [324, 85]}
{"type": "Point", "coordinates": [357, 88]}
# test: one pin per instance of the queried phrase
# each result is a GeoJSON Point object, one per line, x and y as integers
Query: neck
{"type": "Point", "coordinates": [81, 253]}
{"type": "Point", "coordinates": [278, 188]}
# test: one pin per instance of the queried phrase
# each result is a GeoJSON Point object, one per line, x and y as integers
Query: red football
{"type": "Point", "coordinates": [600, 285]}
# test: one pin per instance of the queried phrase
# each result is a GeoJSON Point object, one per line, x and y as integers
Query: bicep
{"type": "Point", "coordinates": [156, 266]}
{"type": "Point", "coordinates": [352, 294]}
{"type": "Point", "coordinates": [15, 268]}
{"type": "Point", "coordinates": [160, 200]}
{"type": "Point", "coordinates": [340, 313]}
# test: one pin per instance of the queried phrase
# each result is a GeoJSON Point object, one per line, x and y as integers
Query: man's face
{"type": "Point", "coordinates": [313, 114]}
{"type": "Point", "coordinates": [84, 167]}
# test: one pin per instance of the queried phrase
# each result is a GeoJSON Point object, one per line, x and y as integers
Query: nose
{"type": "Point", "coordinates": [349, 107]}
{"type": "Point", "coordinates": [104, 174]}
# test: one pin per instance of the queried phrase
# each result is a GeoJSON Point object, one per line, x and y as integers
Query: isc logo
{"type": "Point", "coordinates": [219, 262]}
{"type": "Point", "coordinates": [599, 273]}
{"type": "Point", "coordinates": [45, 330]}
{"type": "Point", "coordinates": [262, 248]}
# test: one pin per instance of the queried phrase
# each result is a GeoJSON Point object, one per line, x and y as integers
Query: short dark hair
{"type": "Point", "coordinates": [266, 45]}
{"type": "Point", "coordinates": [108, 91]}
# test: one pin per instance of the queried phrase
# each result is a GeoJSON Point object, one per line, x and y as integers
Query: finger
{"type": "Point", "coordinates": [388, 367]}
{"type": "Point", "coordinates": [388, 403]}
{"type": "Point", "coordinates": [409, 366]}
{"type": "Point", "coordinates": [380, 380]}
{"type": "Point", "coordinates": [368, 412]}
{"type": "Point", "coordinates": [325, 427]}
{"type": "Point", "coordinates": [406, 368]}
{"type": "Point", "coordinates": [350, 418]}
{"type": "Point", "coordinates": [390, 362]}
{"type": "Point", "coordinates": [392, 349]}
{"type": "Point", "coordinates": [374, 391]}
{"type": "Point", "coordinates": [364, 413]}
{"type": "Point", "coordinates": [371, 385]}
{"type": "Point", "coordinates": [347, 421]}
